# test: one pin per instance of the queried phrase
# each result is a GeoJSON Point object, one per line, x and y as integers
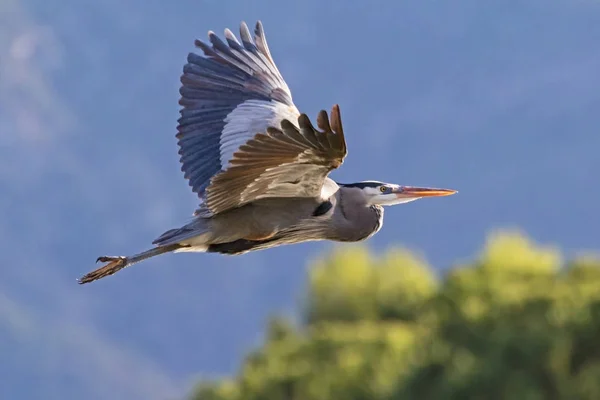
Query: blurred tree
{"type": "Point", "coordinates": [513, 324]}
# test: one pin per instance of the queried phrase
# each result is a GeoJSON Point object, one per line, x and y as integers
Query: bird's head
{"type": "Point", "coordinates": [389, 194]}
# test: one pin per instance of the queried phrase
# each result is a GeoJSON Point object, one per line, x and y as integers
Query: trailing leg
{"type": "Point", "coordinates": [116, 264]}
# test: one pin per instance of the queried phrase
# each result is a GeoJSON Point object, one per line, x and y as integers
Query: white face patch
{"type": "Point", "coordinates": [386, 198]}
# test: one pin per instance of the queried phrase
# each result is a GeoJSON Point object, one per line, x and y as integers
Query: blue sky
{"type": "Point", "coordinates": [498, 100]}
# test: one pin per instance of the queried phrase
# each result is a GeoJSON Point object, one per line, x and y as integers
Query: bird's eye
{"type": "Point", "coordinates": [383, 189]}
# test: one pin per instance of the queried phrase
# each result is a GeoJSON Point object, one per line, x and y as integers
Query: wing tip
{"type": "Point", "coordinates": [331, 122]}
{"type": "Point", "coordinates": [230, 36]}
{"type": "Point", "coordinates": [323, 121]}
{"type": "Point", "coordinates": [304, 122]}
{"type": "Point", "coordinates": [258, 28]}
{"type": "Point", "coordinates": [336, 119]}
{"type": "Point", "coordinates": [203, 46]}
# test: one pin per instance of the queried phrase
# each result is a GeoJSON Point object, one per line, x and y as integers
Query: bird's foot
{"type": "Point", "coordinates": [114, 264]}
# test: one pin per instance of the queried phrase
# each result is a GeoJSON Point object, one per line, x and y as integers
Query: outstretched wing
{"type": "Point", "coordinates": [228, 96]}
{"type": "Point", "coordinates": [286, 162]}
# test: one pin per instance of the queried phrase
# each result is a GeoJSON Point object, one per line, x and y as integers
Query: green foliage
{"type": "Point", "coordinates": [351, 285]}
{"type": "Point", "coordinates": [513, 324]}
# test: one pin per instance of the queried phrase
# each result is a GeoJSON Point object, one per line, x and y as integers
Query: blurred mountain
{"type": "Point", "coordinates": [494, 99]}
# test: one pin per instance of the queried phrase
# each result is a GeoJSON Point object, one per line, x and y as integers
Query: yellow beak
{"type": "Point", "coordinates": [411, 192]}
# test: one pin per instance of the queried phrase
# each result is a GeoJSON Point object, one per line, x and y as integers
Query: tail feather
{"type": "Point", "coordinates": [170, 235]}
{"type": "Point", "coordinates": [115, 264]}
{"type": "Point", "coordinates": [196, 228]}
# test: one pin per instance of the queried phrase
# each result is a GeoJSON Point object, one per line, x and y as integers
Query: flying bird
{"type": "Point", "coordinates": [259, 167]}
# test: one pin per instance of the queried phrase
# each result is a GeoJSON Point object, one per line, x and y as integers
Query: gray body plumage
{"type": "Point", "coordinates": [259, 167]}
{"type": "Point", "coordinates": [265, 223]}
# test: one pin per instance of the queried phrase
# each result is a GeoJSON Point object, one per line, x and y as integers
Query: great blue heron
{"type": "Point", "coordinates": [258, 166]}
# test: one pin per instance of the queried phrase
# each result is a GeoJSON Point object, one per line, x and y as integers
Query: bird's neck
{"type": "Point", "coordinates": [378, 213]}
{"type": "Point", "coordinates": [361, 220]}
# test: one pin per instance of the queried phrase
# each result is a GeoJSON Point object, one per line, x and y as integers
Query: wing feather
{"type": "Point", "coordinates": [228, 95]}
{"type": "Point", "coordinates": [288, 162]}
